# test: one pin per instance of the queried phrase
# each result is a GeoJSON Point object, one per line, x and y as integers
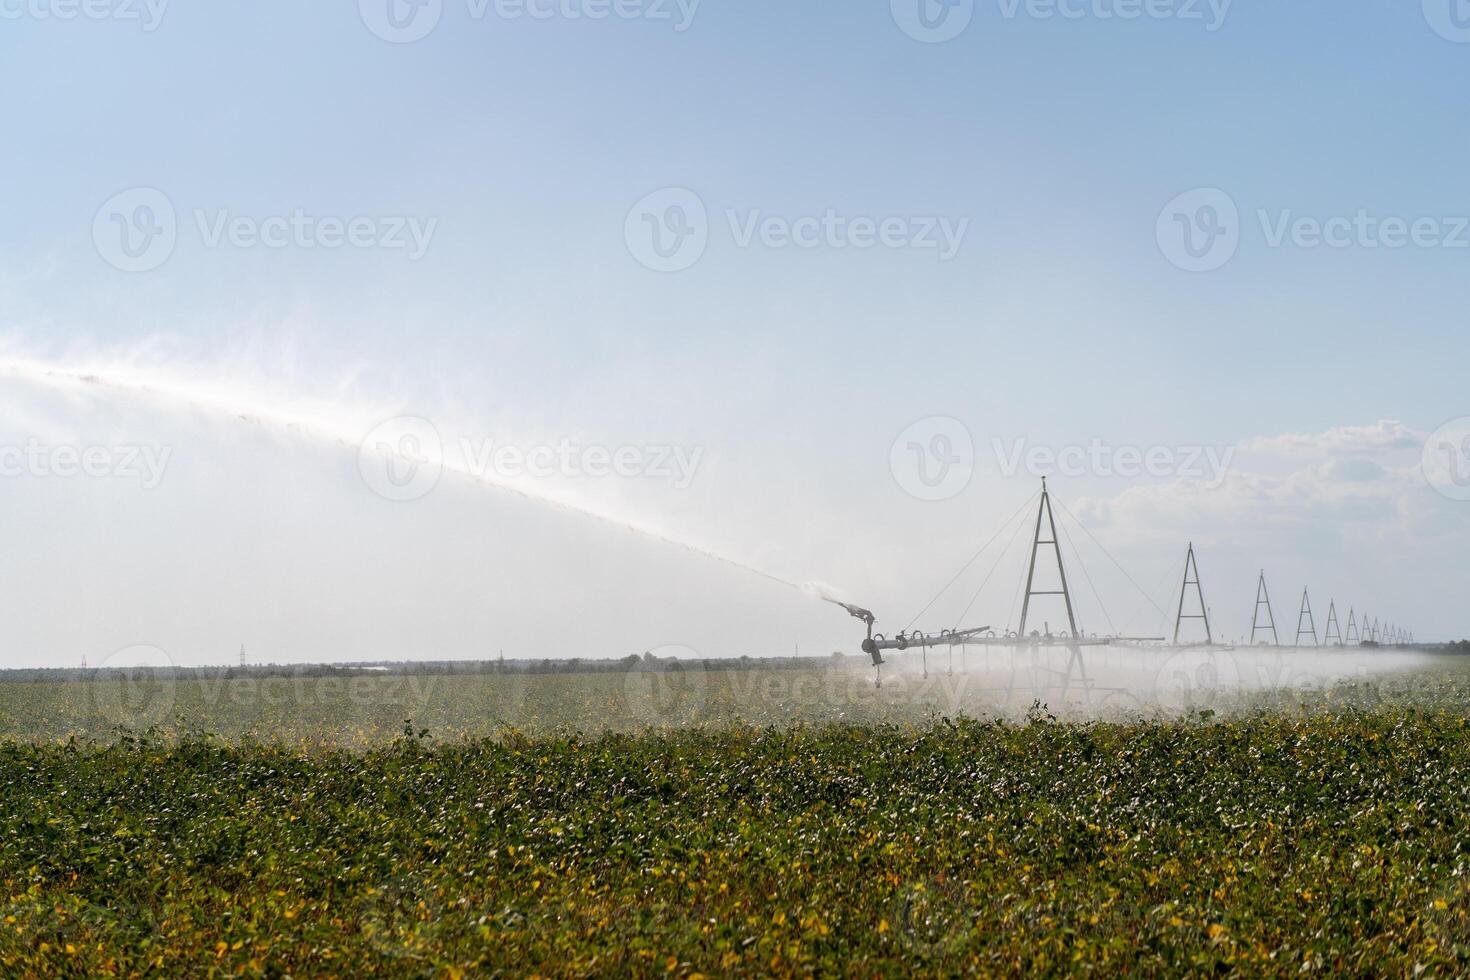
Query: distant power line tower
{"type": "Point", "coordinates": [1333, 630]}
{"type": "Point", "coordinates": [1305, 616]}
{"type": "Point", "coordinates": [1263, 598]}
{"type": "Point", "coordinates": [1191, 567]}
{"type": "Point", "coordinates": [1353, 636]}
{"type": "Point", "coordinates": [242, 655]}
{"type": "Point", "coordinates": [1045, 511]}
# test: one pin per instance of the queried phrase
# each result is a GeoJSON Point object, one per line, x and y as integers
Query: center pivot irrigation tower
{"type": "Point", "coordinates": [1263, 598]}
{"type": "Point", "coordinates": [1191, 567]}
{"type": "Point", "coordinates": [1045, 511]}
{"type": "Point", "coordinates": [1333, 631]}
{"type": "Point", "coordinates": [1045, 546]}
{"type": "Point", "coordinates": [1305, 617]}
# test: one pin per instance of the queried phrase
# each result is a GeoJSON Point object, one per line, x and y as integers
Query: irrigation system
{"type": "Point", "coordinates": [1046, 546]}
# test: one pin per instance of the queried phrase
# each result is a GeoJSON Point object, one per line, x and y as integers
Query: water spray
{"type": "Point", "coordinates": [329, 431]}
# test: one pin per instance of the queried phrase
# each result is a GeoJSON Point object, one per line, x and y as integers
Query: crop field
{"type": "Point", "coordinates": [715, 823]}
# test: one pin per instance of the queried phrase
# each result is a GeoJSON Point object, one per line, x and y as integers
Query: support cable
{"type": "Point", "coordinates": [1020, 525]}
{"type": "Point", "coordinates": [966, 567]}
{"type": "Point", "coordinates": [1169, 575]}
{"type": "Point", "coordinates": [1088, 576]}
{"type": "Point", "coordinates": [1111, 558]}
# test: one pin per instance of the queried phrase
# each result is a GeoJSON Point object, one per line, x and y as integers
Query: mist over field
{"type": "Point", "coordinates": [363, 707]}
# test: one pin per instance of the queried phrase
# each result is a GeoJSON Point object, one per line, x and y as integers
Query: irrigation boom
{"type": "Point", "coordinates": [1046, 543]}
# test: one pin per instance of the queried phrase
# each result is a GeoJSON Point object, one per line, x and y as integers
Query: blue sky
{"type": "Point", "coordinates": [1060, 319]}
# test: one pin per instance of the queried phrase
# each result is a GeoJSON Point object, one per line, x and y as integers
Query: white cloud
{"type": "Point", "coordinates": [1347, 512]}
{"type": "Point", "coordinates": [1383, 436]}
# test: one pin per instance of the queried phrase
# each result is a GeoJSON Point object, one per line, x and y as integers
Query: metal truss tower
{"type": "Point", "coordinates": [1353, 636]}
{"type": "Point", "coordinates": [1305, 616]}
{"type": "Point", "coordinates": [1045, 511]}
{"type": "Point", "coordinates": [1191, 566]}
{"type": "Point", "coordinates": [1334, 629]}
{"type": "Point", "coordinates": [1263, 597]}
